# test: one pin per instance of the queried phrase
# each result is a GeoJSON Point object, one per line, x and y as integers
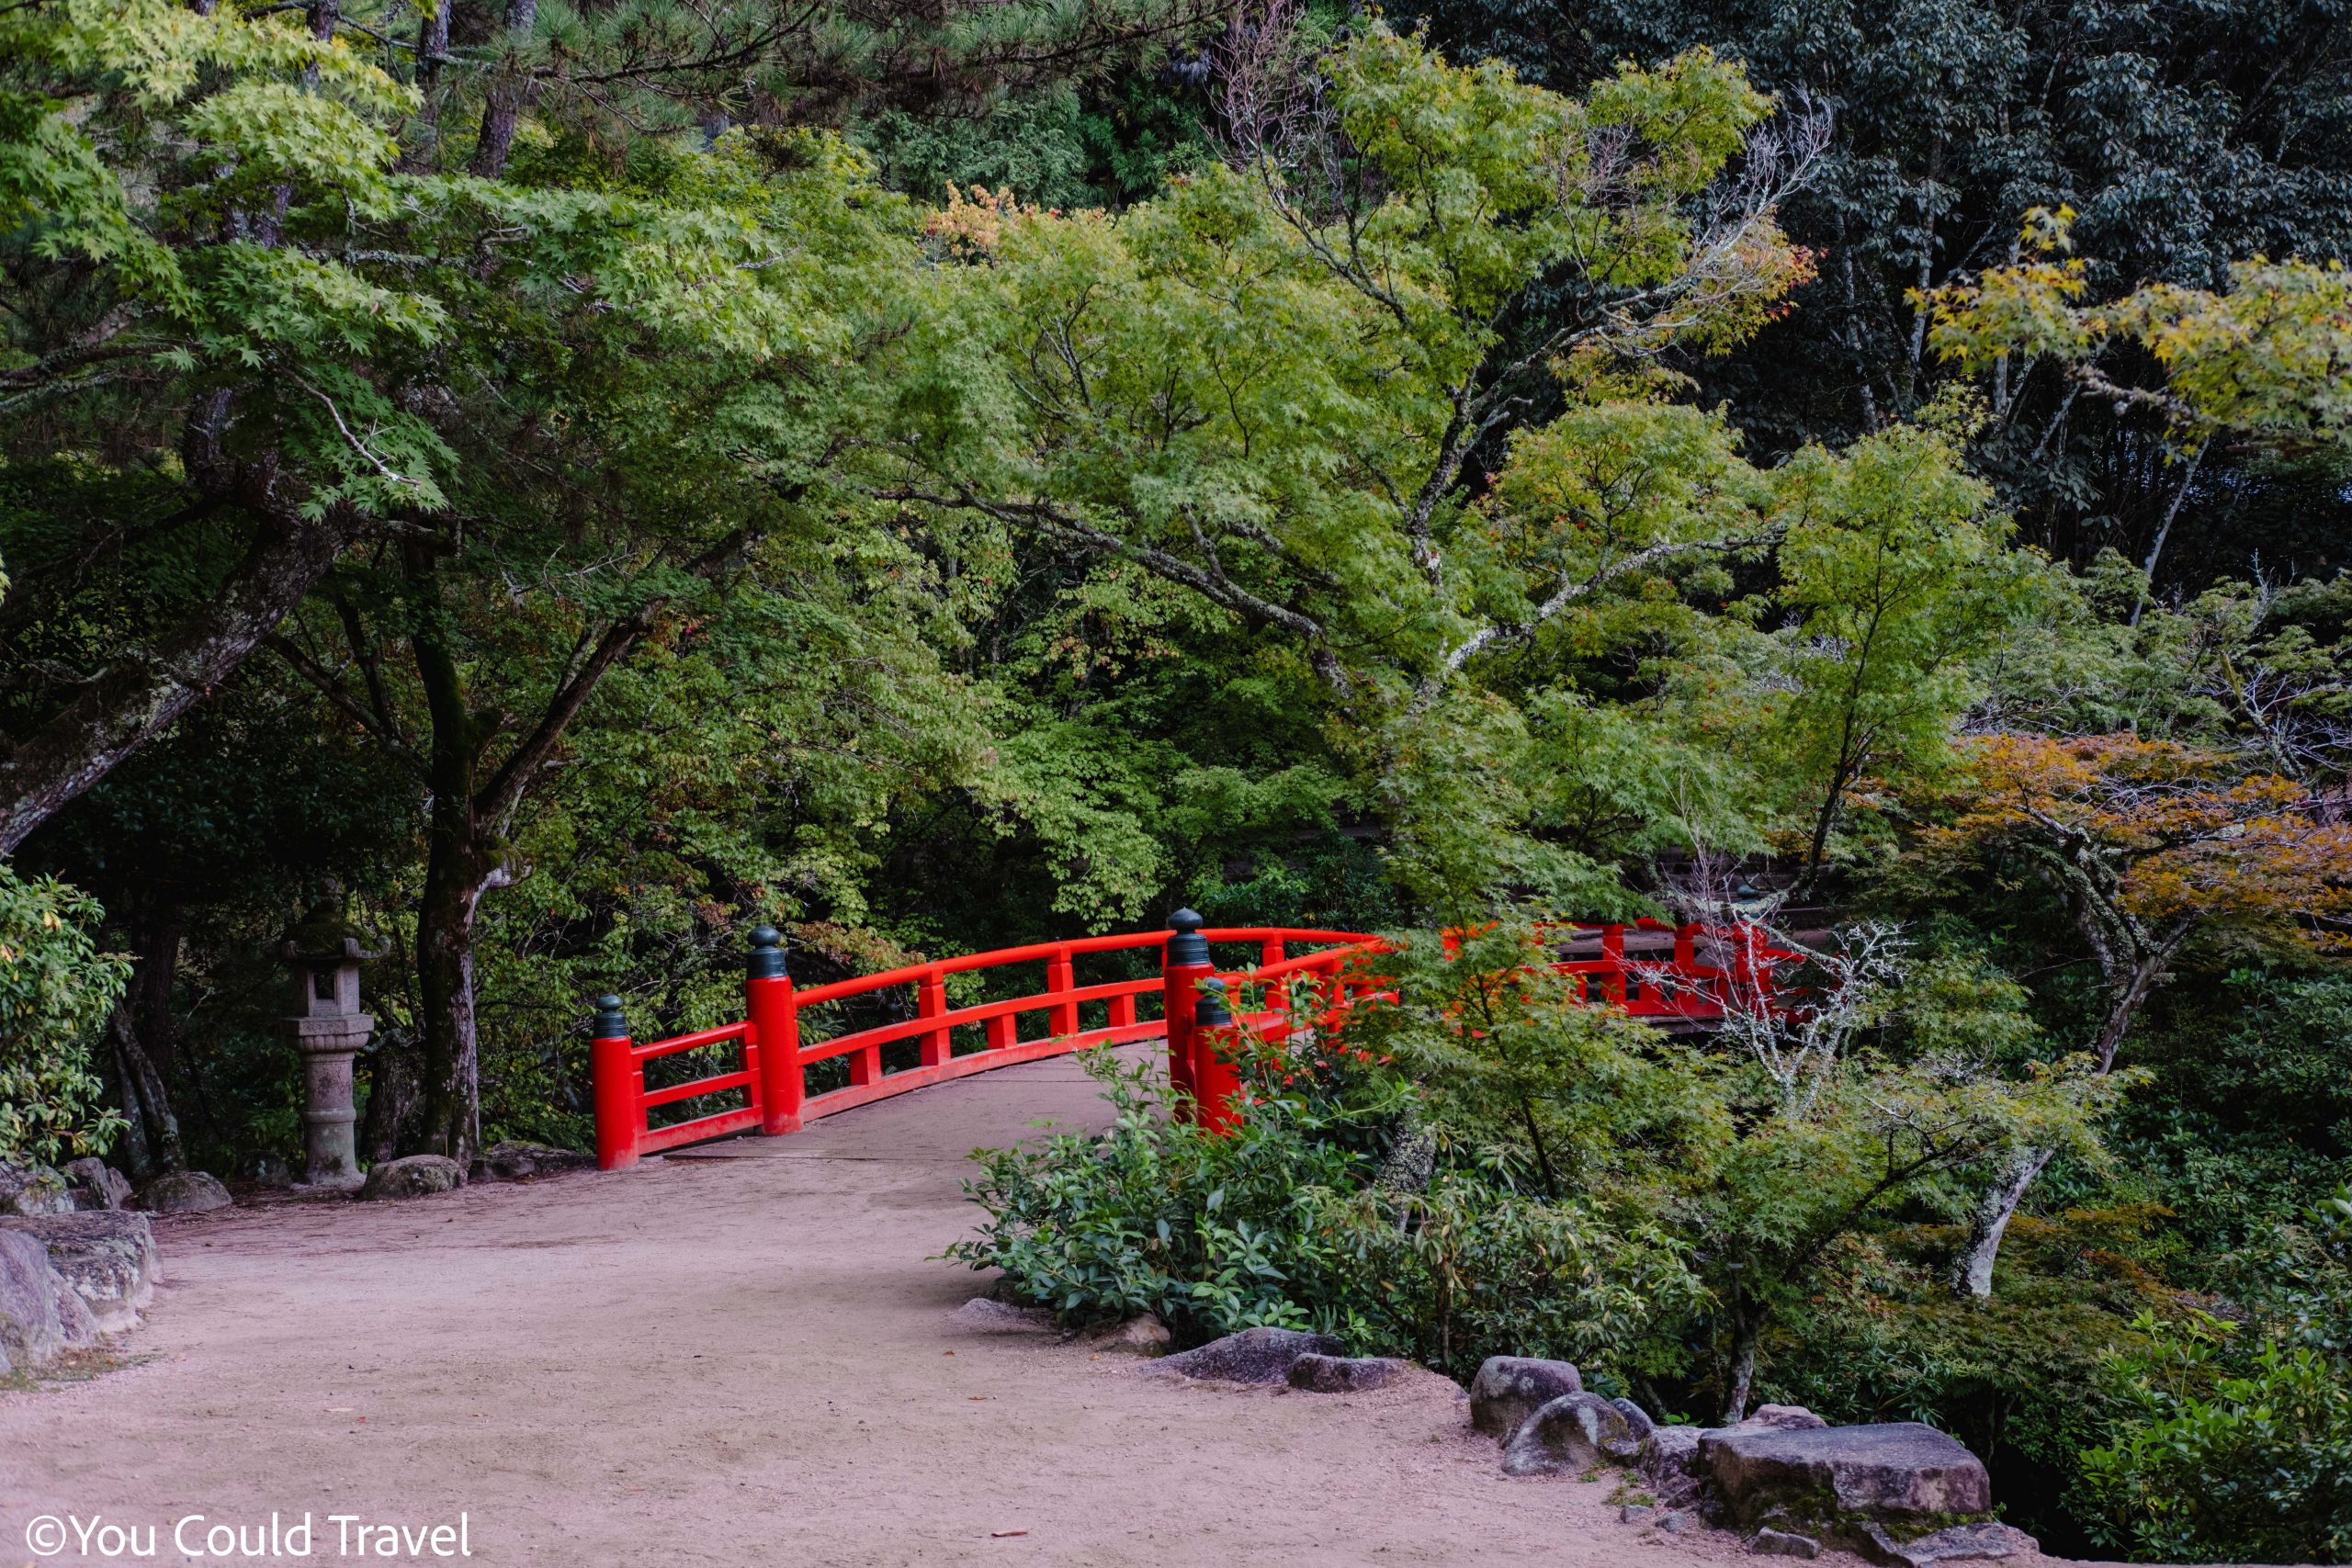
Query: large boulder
{"type": "Point", "coordinates": [1508, 1389]}
{"type": "Point", "coordinates": [1570, 1435]}
{"type": "Point", "coordinates": [1796, 1418]}
{"type": "Point", "coordinates": [108, 1257]}
{"type": "Point", "coordinates": [1669, 1463]}
{"type": "Point", "coordinates": [1960, 1543]}
{"type": "Point", "coordinates": [1896, 1473]}
{"type": "Point", "coordinates": [512, 1160]}
{"type": "Point", "coordinates": [1638, 1427]}
{"type": "Point", "coordinates": [183, 1192]}
{"type": "Point", "coordinates": [41, 1316]}
{"type": "Point", "coordinates": [1345, 1374]}
{"type": "Point", "coordinates": [97, 1184]}
{"type": "Point", "coordinates": [33, 1190]}
{"type": "Point", "coordinates": [415, 1176]}
{"type": "Point", "coordinates": [1254, 1355]}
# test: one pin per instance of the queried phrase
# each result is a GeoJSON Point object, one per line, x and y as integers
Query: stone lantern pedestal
{"type": "Point", "coordinates": [325, 953]}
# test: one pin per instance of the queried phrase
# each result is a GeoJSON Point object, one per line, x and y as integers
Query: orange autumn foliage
{"type": "Point", "coordinates": [2168, 835]}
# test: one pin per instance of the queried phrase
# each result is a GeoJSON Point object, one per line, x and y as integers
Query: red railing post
{"type": "Point", "coordinates": [1214, 1067]}
{"type": "Point", "coordinates": [772, 1042]}
{"type": "Point", "coordinates": [1061, 979]}
{"type": "Point", "coordinates": [1186, 964]}
{"type": "Point", "coordinates": [1612, 956]}
{"type": "Point", "coordinates": [617, 1084]}
{"type": "Point", "coordinates": [931, 1000]}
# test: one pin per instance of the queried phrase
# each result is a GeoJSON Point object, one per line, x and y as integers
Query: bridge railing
{"type": "Point", "coordinates": [1188, 1002]}
{"type": "Point", "coordinates": [770, 1074]}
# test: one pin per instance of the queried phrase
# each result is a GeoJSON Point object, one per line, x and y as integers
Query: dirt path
{"type": "Point", "coordinates": [743, 1359]}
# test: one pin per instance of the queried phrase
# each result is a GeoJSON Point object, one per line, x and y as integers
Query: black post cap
{"type": "Point", "coordinates": [766, 960]}
{"type": "Point", "coordinates": [1188, 945]}
{"type": "Point", "coordinates": [1210, 1012]}
{"type": "Point", "coordinates": [610, 1024]}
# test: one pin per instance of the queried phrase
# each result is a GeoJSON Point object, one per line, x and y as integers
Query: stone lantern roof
{"type": "Point", "coordinates": [326, 936]}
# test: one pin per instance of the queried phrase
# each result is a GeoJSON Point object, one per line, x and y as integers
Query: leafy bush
{"type": "Point", "coordinates": [1283, 1222]}
{"type": "Point", "coordinates": [2257, 1468]}
{"type": "Point", "coordinates": [2237, 1444]}
{"type": "Point", "coordinates": [1213, 1234]}
{"type": "Point", "coordinates": [56, 989]}
{"type": "Point", "coordinates": [1472, 1269]}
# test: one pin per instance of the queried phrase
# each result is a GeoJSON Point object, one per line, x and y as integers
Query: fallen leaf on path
{"type": "Point", "coordinates": [1000, 1535]}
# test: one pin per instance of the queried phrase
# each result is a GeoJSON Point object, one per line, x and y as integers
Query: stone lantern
{"type": "Point", "coordinates": [326, 952]}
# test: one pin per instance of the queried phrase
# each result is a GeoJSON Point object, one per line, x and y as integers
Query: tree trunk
{"type": "Point", "coordinates": [393, 1099]}
{"type": "Point", "coordinates": [1972, 1271]}
{"type": "Point", "coordinates": [125, 708]}
{"type": "Point", "coordinates": [137, 1156]}
{"type": "Point", "coordinates": [445, 981]}
{"type": "Point", "coordinates": [2164, 531]}
{"type": "Point", "coordinates": [1819, 847]}
{"type": "Point", "coordinates": [160, 1128]}
{"type": "Point", "coordinates": [2125, 1004]}
{"type": "Point", "coordinates": [1746, 1325]}
{"type": "Point", "coordinates": [510, 90]}
{"type": "Point", "coordinates": [456, 863]}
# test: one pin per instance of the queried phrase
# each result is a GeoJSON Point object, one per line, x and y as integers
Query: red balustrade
{"type": "Point", "coordinates": [1187, 1003]}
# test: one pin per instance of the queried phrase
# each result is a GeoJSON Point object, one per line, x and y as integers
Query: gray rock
{"type": "Point", "coordinates": [33, 1190]}
{"type": "Point", "coordinates": [97, 1184]}
{"type": "Point", "coordinates": [1769, 1542]}
{"type": "Point", "coordinates": [1634, 1513]}
{"type": "Point", "coordinates": [1508, 1389]}
{"type": "Point", "coordinates": [1568, 1436]}
{"type": "Point", "coordinates": [183, 1192]}
{"type": "Point", "coordinates": [1676, 1523]}
{"type": "Point", "coordinates": [1638, 1427]}
{"type": "Point", "coordinates": [1254, 1355]}
{"type": "Point", "coordinates": [1346, 1374]}
{"type": "Point", "coordinates": [1792, 1417]}
{"type": "Point", "coordinates": [33, 1333]}
{"type": "Point", "coordinates": [107, 1256]}
{"type": "Point", "coordinates": [268, 1170]}
{"type": "Point", "coordinates": [1894, 1471]}
{"type": "Point", "coordinates": [1669, 1462]}
{"type": "Point", "coordinates": [73, 1315]}
{"type": "Point", "coordinates": [512, 1160]}
{"type": "Point", "coordinates": [1671, 1452]}
{"type": "Point", "coordinates": [415, 1176]}
{"type": "Point", "coordinates": [1961, 1543]}
{"type": "Point", "coordinates": [1141, 1336]}
{"type": "Point", "coordinates": [986, 1315]}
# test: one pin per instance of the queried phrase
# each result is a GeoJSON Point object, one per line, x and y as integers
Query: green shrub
{"type": "Point", "coordinates": [56, 989]}
{"type": "Point", "coordinates": [2257, 1468]}
{"type": "Point", "coordinates": [1213, 1233]}
{"type": "Point", "coordinates": [1472, 1269]}
{"type": "Point", "coordinates": [2236, 1441]}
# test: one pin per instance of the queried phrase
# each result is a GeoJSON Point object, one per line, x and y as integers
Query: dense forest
{"type": "Point", "coordinates": [560, 483]}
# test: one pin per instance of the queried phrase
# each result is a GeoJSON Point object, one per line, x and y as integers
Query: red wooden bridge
{"type": "Point", "coordinates": [1299, 978]}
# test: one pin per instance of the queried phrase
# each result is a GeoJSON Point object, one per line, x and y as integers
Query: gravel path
{"type": "Point", "coordinates": [742, 1357]}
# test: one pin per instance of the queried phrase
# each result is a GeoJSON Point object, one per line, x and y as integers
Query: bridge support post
{"type": "Point", "coordinates": [774, 1040]}
{"type": "Point", "coordinates": [617, 1084]}
{"type": "Point", "coordinates": [1185, 966]}
{"type": "Point", "coordinates": [1214, 1068]}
